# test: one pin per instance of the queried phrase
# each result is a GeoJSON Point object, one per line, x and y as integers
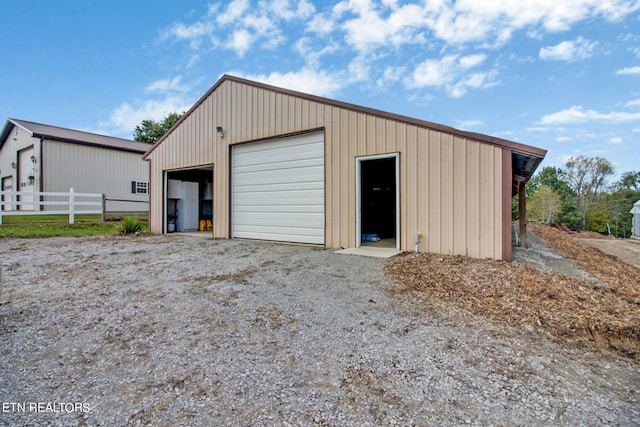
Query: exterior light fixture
{"type": "Point", "coordinates": [220, 131]}
{"type": "Point", "coordinates": [13, 165]}
{"type": "Point", "coordinates": [33, 159]}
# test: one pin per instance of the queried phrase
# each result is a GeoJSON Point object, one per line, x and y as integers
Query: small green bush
{"type": "Point", "coordinates": [130, 225]}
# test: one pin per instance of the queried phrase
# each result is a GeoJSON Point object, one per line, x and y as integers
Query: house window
{"type": "Point", "coordinates": [138, 187]}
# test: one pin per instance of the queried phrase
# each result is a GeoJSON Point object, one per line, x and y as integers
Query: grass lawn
{"type": "Point", "coordinates": [55, 225]}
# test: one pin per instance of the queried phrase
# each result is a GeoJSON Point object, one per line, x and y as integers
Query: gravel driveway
{"type": "Point", "coordinates": [185, 330]}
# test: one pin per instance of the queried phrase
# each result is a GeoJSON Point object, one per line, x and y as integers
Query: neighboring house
{"type": "Point", "coordinates": [635, 222]}
{"type": "Point", "coordinates": [43, 158]}
{"type": "Point", "coordinates": [286, 166]}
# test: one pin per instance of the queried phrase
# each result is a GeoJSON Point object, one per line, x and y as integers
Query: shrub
{"type": "Point", "coordinates": [130, 225]}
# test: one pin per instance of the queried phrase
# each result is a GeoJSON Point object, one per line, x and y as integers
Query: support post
{"type": "Point", "coordinates": [522, 214]}
{"type": "Point", "coordinates": [104, 208]}
{"type": "Point", "coordinates": [71, 207]}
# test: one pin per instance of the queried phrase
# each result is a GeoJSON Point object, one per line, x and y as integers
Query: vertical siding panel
{"type": "Point", "coordinates": [291, 115]}
{"type": "Point", "coordinates": [473, 198]}
{"type": "Point", "coordinates": [486, 221]}
{"type": "Point", "coordinates": [361, 135]}
{"type": "Point", "coordinates": [435, 186]}
{"type": "Point", "coordinates": [409, 202]}
{"type": "Point", "coordinates": [258, 114]}
{"type": "Point", "coordinates": [335, 174]}
{"type": "Point", "coordinates": [371, 135]}
{"type": "Point", "coordinates": [497, 217]}
{"type": "Point", "coordinates": [351, 181]}
{"type": "Point", "coordinates": [380, 136]}
{"type": "Point", "coordinates": [313, 113]}
{"type": "Point", "coordinates": [278, 114]}
{"type": "Point", "coordinates": [459, 196]}
{"type": "Point", "coordinates": [345, 182]}
{"type": "Point", "coordinates": [401, 147]}
{"type": "Point", "coordinates": [245, 103]}
{"type": "Point", "coordinates": [328, 178]}
{"type": "Point", "coordinates": [446, 197]}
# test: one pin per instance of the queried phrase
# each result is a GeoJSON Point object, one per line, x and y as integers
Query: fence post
{"type": "Point", "coordinates": [71, 207]}
{"type": "Point", "coordinates": [104, 208]}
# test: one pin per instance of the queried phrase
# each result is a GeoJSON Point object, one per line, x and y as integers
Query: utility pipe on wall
{"type": "Point", "coordinates": [417, 239]}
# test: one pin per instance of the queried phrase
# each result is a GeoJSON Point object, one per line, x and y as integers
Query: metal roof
{"type": "Point", "coordinates": [525, 158]}
{"type": "Point", "coordinates": [72, 136]}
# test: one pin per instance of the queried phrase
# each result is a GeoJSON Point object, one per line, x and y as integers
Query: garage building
{"type": "Point", "coordinates": [262, 162]}
{"type": "Point", "coordinates": [35, 157]}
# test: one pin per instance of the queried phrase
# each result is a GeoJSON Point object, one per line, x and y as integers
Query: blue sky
{"type": "Point", "coordinates": [563, 75]}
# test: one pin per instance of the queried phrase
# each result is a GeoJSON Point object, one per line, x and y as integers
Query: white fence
{"type": "Point", "coordinates": [33, 203]}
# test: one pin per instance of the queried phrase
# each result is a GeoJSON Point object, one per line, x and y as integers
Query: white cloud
{"type": "Point", "coordinates": [616, 140]}
{"type": "Point", "coordinates": [632, 103]}
{"type": "Point", "coordinates": [577, 114]}
{"type": "Point", "coordinates": [233, 13]}
{"type": "Point", "coordinates": [182, 31]}
{"type": "Point", "coordinates": [306, 80]}
{"type": "Point", "coordinates": [240, 41]}
{"type": "Point", "coordinates": [434, 72]}
{"type": "Point", "coordinates": [630, 71]}
{"type": "Point", "coordinates": [126, 117]}
{"type": "Point", "coordinates": [569, 51]}
{"type": "Point", "coordinates": [469, 124]}
{"type": "Point", "coordinates": [390, 75]}
{"type": "Point", "coordinates": [283, 8]}
{"type": "Point", "coordinates": [450, 72]}
{"type": "Point", "coordinates": [166, 85]}
{"type": "Point", "coordinates": [564, 139]}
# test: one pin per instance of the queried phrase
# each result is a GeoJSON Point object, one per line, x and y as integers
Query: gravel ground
{"type": "Point", "coordinates": [184, 330]}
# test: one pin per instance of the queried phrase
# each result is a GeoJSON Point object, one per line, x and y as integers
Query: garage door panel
{"type": "Point", "coordinates": [278, 189]}
{"type": "Point", "coordinates": [285, 234]}
{"type": "Point", "coordinates": [280, 156]}
{"type": "Point", "coordinates": [284, 186]}
{"type": "Point", "coordinates": [301, 176]}
{"type": "Point", "coordinates": [260, 201]}
{"type": "Point", "coordinates": [281, 219]}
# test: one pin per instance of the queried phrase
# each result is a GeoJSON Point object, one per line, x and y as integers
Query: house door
{"type": "Point", "coordinates": [378, 200]}
{"type": "Point", "coordinates": [7, 185]}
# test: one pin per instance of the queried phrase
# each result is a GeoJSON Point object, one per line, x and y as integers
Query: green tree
{"type": "Point", "coordinates": [554, 178]}
{"type": "Point", "coordinates": [150, 131]}
{"type": "Point", "coordinates": [598, 218]}
{"type": "Point", "coordinates": [544, 205]}
{"type": "Point", "coordinates": [629, 181]}
{"type": "Point", "coordinates": [587, 177]}
{"type": "Point", "coordinates": [620, 203]}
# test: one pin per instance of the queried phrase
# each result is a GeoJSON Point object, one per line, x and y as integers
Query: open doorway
{"type": "Point", "coordinates": [378, 201]}
{"type": "Point", "coordinates": [189, 200]}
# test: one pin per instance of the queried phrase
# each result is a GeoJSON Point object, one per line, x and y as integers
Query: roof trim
{"type": "Point", "coordinates": [511, 145]}
{"type": "Point", "coordinates": [72, 136]}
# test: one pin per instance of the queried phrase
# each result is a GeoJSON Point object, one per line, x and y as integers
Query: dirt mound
{"type": "Point", "coordinates": [600, 315]}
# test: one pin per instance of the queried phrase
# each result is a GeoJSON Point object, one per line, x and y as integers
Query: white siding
{"type": "Point", "coordinates": [95, 170]}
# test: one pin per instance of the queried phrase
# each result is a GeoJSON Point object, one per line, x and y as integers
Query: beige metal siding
{"type": "Point", "coordinates": [450, 189]}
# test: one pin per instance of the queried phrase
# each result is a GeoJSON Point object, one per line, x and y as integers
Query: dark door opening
{"type": "Point", "coordinates": [378, 199]}
{"type": "Point", "coordinates": [189, 204]}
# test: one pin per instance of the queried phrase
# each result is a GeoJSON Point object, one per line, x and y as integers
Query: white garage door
{"type": "Point", "coordinates": [278, 189]}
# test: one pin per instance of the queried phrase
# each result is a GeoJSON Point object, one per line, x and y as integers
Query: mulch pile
{"type": "Point", "coordinates": [604, 316]}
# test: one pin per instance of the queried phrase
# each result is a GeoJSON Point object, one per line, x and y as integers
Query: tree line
{"type": "Point", "coordinates": [581, 196]}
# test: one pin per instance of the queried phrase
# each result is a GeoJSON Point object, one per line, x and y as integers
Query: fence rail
{"type": "Point", "coordinates": [12, 201]}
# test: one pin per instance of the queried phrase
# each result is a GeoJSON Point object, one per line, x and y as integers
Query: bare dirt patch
{"type": "Point", "coordinates": [603, 314]}
{"type": "Point", "coordinates": [627, 250]}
